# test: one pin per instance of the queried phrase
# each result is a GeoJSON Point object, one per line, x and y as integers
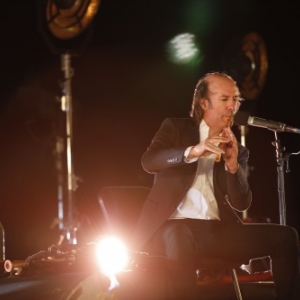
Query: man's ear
{"type": "Point", "coordinates": [204, 104]}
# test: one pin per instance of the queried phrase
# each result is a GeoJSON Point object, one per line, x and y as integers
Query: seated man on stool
{"type": "Point", "coordinates": [200, 183]}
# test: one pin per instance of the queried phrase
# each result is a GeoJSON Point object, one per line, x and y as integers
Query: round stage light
{"type": "Point", "coordinates": [112, 255]}
{"type": "Point", "coordinates": [183, 49]}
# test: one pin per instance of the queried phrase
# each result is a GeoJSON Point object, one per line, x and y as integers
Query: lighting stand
{"type": "Point", "coordinates": [243, 131]}
{"type": "Point", "coordinates": [69, 224]}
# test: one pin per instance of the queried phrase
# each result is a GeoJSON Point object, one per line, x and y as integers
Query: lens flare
{"type": "Point", "coordinates": [183, 49]}
{"type": "Point", "coordinates": [112, 255]}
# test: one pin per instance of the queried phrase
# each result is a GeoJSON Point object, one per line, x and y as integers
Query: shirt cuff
{"type": "Point", "coordinates": [228, 171]}
{"type": "Point", "coordinates": [186, 154]}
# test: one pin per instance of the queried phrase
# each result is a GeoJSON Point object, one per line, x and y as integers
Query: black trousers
{"type": "Point", "coordinates": [182, 241]}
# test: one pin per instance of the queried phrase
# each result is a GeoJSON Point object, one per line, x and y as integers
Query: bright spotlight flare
{"type": "Point", "coordinates": [112, 255]}
{"type": "Point", "coordinates": [243, 118]}
{"type": "Point", "coordinates": [183, 48]}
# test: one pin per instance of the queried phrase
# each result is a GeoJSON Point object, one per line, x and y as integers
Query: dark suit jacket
{"type": "Point", "coordinates": [173, 177]}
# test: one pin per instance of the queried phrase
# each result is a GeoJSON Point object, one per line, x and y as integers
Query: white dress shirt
{"type": "Point", "coordinates": [200, 201]}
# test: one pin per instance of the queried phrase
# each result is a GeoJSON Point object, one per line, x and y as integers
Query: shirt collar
{"type": "Point", "coordinates": [204, 130]}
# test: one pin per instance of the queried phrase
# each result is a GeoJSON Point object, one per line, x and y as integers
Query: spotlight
{"type": "Point", "coordinates": [112, 255]}
{"type": "Point", "coordinates": [64, 4]}
{"type": "Point", "coordinates": [183, 49]}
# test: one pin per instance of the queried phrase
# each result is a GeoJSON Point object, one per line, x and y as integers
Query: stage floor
{"type": "Point", "coordinates": [134, 285]}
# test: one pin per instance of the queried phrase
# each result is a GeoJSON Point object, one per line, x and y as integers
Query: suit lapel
{"type": "Point", "coordinates": [193, 133]}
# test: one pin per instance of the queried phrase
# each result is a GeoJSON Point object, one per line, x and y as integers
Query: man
{"type": "Point", "coordinates": [191, 209]}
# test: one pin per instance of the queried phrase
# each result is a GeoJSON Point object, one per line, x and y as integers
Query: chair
{"type": "Point", "coordinates": [121, 206]}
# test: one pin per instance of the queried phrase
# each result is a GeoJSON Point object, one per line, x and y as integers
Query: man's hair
{"type": "Point", "coordinates": [201, 92]}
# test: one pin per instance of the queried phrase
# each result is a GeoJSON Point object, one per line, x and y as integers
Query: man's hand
{"type": "Point", "coordinates": [230, 151]}
{"type": "Point", "coordinates": [208, 147]}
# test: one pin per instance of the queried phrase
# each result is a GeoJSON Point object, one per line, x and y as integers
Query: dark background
{"type": "Point", "coordinates": [124, 85]}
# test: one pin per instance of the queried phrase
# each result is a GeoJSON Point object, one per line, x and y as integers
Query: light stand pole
{"type": "Point", "coordinates": [70, 225]}
{"type": "Point", "coordinates": [243, 142]}
{"type": "Point", "coordinates": [64, 24]}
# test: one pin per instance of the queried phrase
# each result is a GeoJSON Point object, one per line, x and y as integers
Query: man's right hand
{"type": "Point", "coordinates": [208, 146]}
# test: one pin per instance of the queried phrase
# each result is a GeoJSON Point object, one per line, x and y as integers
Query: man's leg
{"type": "Point", "coordinates": [243, 242]}
{"type": "Point", "coordinates": [175, 241]}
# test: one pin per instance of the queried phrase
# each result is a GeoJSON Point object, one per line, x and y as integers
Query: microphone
{"type": "Point", "coordinates": [243, 118]}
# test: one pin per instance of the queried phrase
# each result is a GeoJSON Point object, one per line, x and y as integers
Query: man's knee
{"type": "Point", "coordinates": [179, 241]}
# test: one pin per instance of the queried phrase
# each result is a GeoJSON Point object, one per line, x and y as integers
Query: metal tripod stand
{"type": "Point", "coordinates": [281, 161]}
{"type": "Point", "coordinates": [67, 219]}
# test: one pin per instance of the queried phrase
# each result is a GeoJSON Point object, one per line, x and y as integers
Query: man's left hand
{"type": "Point", "coordinates": [231, 152]}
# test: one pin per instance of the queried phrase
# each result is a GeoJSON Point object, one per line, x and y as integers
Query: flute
{"type": "Point", "coordinates": [222, 145]}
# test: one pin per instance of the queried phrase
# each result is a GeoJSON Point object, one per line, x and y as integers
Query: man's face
{"type": "Point", "coordinates": [223, 102]}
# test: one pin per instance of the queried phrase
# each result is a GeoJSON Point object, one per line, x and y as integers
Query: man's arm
{"type": "Point", "coordinates": [163, 151]}
{"type": "Point", "coordinates": [238, 190]}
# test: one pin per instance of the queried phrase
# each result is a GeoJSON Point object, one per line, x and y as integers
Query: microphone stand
{"type": "Point", "coordinates": [280, 159]}
{"type": "Point", "coordinates": [280, 177]}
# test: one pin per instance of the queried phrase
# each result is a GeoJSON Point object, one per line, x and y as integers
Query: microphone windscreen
{"type": "Point", "coordinates": [241, 118]}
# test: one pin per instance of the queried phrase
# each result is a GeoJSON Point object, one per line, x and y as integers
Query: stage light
{"type": "Point", "coordinates": [112, 255]}
{"type": "Point", "coordinates": [64, 4]}
{"type": "Point", "coordinates": [183, 49]}
{"type": "Point", "coordinates": [67, 19]}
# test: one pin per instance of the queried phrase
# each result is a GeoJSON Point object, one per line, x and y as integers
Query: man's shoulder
{"type": "Point", "coordinates": [179, 121]}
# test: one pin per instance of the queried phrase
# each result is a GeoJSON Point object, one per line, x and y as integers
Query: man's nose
{"type": "Point", "coordinates": [232, 105]}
